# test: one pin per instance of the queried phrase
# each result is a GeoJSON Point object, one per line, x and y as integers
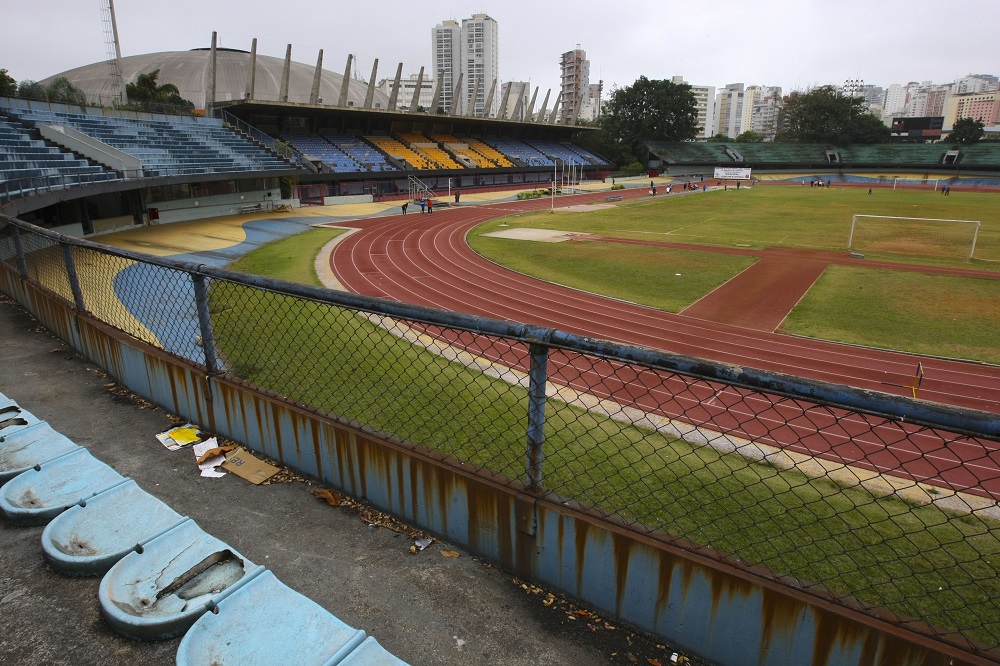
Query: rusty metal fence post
{"type": "Point", "coordinates": [74, 279]}
{"type": "Point", "coordinates": [22, 265]}
{"type": "Point", "coordinates": [537, 376]}
{"type": "Point", "coordinates": [205, 323]}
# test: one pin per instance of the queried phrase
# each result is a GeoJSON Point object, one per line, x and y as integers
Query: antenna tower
{"type": "Point", "coordinates": [114, 50]}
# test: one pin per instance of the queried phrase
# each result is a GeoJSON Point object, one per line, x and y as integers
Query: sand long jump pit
{"type": "Point", "coordinates": [539, 235]}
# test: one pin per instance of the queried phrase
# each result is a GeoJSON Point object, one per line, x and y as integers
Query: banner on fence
{"type": "Point", "coordinates": [732, 173]}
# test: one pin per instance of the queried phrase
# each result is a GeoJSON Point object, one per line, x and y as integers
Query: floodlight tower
{"type": "Point", "coordinates": [114, 50]}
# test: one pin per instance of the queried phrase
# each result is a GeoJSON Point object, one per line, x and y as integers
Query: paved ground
{"type": "Point", "coordinates": [425, 608]}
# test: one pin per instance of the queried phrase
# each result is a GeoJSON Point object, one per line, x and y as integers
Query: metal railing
{"type": "Point", "coordinates": [281, 148]}
{"type": "Point", "coordinates": [869, 500]}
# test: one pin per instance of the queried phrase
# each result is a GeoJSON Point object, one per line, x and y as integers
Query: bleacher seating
{"type": "Point", "coordinates": [980, 154]}
{"type": "Point", "coordinates": [520, 152]}
{"type": "Point", "coordinates": [316, 147]}
{"type": "Point", "coordinates": [460, 148]}
{"type": "Point", "coordinates": [780, 153]}
{"type": "Point", "coordinates": [489, 152]}
{"type": "Point", "coordinates": [563, 152]}
{"type": "Point", "coordinates": [367, 156]}
{"type": "Point", "coordinates": [587, 155]}
{"type": "Point", "coordinates": [168, 146]}
{"type": "Point", "coordinates": [429, 149]}
{"type": "Point", "coordinates": [689, 152]}
{"type": "Point", "coordinates": [396, 149]}
{"type": "Point", "coordinates": [28, 163]}
{"type": "Point", "coordinates": [889, 155]}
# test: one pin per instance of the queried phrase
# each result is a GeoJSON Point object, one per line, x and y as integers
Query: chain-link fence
{"type": "Point", "coordinates": [879, 502]}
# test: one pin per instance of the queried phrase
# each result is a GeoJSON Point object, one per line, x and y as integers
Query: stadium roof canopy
{"type": "Point", "coordinates": [190, 72]}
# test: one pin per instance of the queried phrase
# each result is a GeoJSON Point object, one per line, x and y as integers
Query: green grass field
{"type": "Point", "coordinates": [926, 314]}
{"type": "Point", "coordinates": [787, 216]}
{"type": "Point", "coordinates": [915, 560]}
{"type": "Point", "coordinates": [660, 277]}
{"type": "Point", "coordinates": [939, 315]}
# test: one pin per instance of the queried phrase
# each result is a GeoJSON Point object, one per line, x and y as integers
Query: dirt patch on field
{"type": "Point", "coordinates": [539, 235]}
{"type": "Point", "coordinates": [761, 297]}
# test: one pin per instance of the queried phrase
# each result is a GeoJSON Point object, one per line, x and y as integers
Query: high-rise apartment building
{"type": "Point", "coordinates": [469, 50]}
{"type": "Point", "coordinates": [480, 63]}
{"type": "Point", "coordinates": [574, 78]}
{"type": "Point", "coordinates": [731, 104]}
{"type": "Point", "coordinates": [766, 112]}
{"type": "Point", "coordinates": [984, 106]}
{"type": "Point", "coordinates": [446, 47]}
{"type": "Point", "coordinates": [704, 100]}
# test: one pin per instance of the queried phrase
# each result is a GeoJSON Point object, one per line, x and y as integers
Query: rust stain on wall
{"type": "Point", "coordinates": [581, 532]}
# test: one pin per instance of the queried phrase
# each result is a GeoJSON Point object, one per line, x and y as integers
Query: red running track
{"type": "Point", "coordinates": [425, 260]}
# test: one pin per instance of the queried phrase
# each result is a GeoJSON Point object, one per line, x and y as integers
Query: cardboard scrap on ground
{"type": "Point", "coordinates": [209, 456]}
{"type": "Point", "coordinates": [180, 436]}
{"type": "Point", "coordinates": [242, 463]}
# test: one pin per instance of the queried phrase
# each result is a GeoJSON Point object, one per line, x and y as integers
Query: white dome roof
{"type": "Point", "coordinates": [189, 71]}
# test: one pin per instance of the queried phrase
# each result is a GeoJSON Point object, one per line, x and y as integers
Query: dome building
{"type": "Point", "coordinates": [190, 72]}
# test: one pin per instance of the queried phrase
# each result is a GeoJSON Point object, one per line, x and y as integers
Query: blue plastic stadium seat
{"type": "Point", "coordinates": [264, 623]}
{"type": "Point", "coordinates": [87, 539]}
{"type": "Point", "coordinates": [29, 447]}
{"type": "Point", "coordinates": [40, 494]}
{"type": "Point", "coordinates": [370, 653]}
{"type": "Point", "coordinates": [160, 589]}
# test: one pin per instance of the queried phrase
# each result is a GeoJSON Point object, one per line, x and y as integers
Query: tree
{"type": "Point", "coordinates": [719, 138]}
{"type": "Point", "coordinates": [648, 110]}
{"type": "Point", "coordinates": [8, 86]}
{"type": "Point", "coordinates": [824, 115]}
{"type": "Point", "coordinates": [30, 90]}
{"type": "Point", "coordinates": [966, 131]}
{"type": "Point", "coordinates": [597, 140]}
{"type": "Point", "coordinates": [750, 137]}
{"type": "Point", "coordinates": [61, 90]}
{"type": "Point", "coordinates": [151, 96]}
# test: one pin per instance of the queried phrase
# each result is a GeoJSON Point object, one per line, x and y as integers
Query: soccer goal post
{"type": "Point", "coordinates": [913, 236]}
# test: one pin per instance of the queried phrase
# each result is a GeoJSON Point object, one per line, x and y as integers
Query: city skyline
{"type": "Point", "coordinates": [882, 43]}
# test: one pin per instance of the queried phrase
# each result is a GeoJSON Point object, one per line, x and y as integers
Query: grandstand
{"type": "Point", "coordinates": [164, 145]}
{"type": "Point", "coordinates": [934, 156]}
{"type": "Point", "coordinates": [29, 163]}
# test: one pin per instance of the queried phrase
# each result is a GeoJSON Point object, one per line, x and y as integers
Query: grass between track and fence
{"type": "Point", "coordinates": [912, 558]}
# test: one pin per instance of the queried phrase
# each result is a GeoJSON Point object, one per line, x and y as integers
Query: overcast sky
{"type": "Point", "coordinates": [795, 44]}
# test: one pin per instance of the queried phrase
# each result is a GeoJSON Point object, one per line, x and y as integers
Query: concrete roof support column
{"type": "Point", "coordinates": [394, 95]}
{"type": "Point", "coordinates": [504, 101]}
{"type": "Point", "coordinates": [436, 99]}
{"type": "Point", "coordinates": [453, 111]}
{"type": "Point", "coordinates": [517, 113]}
{"type": "Point", "coordinates": [314, 93]}
{"type": "Point", "coordinates": [489, 99]}
{"type": "Point", "coordinates": [370, 95]}
{"type": "Point", "coordinates": [210, 93]}
{"type": "Point", "coordinates": [470, 110]}
{"type": "Point", "coordinates": [347, 79]}
{"type": "Point", "coordinates": [415, 102]}
{"type": "Point", "coordinates": [531, 106]}
{"type": "Point", "coordinates": [285, 73]}
{"type": "Point", "coordinates": [545, 104]}
{"type": "Point", "coordinates": [252, 74]}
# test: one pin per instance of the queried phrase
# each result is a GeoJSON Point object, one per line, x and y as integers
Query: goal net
{"type": "Point", "coordinates": [883, 234]}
